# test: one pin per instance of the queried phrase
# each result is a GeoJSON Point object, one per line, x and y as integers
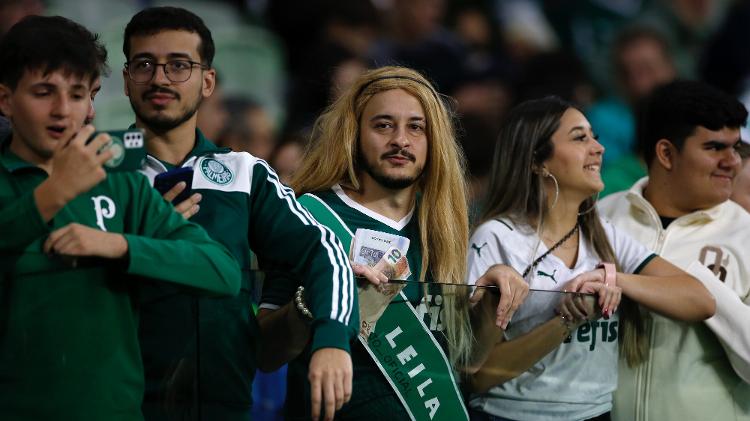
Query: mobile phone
{"type": "Point", "coordinates": [128, 149]}
{"type": "Point", "coordinates": [166, 180]}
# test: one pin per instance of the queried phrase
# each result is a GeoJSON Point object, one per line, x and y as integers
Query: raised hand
{"type": "Point", "coordinates": [77, 166]}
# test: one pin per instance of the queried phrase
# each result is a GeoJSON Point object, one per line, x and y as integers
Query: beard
{"type": "Point", "coordinates": [385, 180]}
{"type": "Point", "coordinates": [160, 123]}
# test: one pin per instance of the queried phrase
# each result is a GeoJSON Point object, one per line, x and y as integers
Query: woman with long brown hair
{"type": "Point", "coordinates": [541, 219]}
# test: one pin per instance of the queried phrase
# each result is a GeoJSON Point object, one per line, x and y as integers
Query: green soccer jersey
{"type": "Point", "coordinates": [69, 346]}
{"type": "Point", "coordinates": [212, 341]}
{"type": "Point", "coordinates": [372, 395]}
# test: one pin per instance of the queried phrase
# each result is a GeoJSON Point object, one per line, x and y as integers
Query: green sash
{"type": "Point", "coordinates": [402, 347]}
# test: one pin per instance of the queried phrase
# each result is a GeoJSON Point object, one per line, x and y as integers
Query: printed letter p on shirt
{"type": "Point", "coordinates": [104, 208]}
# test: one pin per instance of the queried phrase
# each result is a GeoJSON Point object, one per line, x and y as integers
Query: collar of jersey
{"type": "Point", "coordinates": [202, 147]}
{"type": "Point", "coordinates": [636, 199]}
{"type": "Point", "coordinates": [396, 225]}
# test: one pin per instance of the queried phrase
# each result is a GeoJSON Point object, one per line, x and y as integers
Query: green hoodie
{"type": "Point", "coordinates": [68, 333]}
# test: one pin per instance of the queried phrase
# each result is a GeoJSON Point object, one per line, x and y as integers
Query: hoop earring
{"type": "Point", "coordinates": [557, 188]}
{"type": "Point", "coordinates": [592, 206]}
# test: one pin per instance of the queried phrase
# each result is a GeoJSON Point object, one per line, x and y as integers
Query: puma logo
{"type": "Point", "coordinates": [478, 249]}
{"type": "Point", "coordinates": [541, 273]}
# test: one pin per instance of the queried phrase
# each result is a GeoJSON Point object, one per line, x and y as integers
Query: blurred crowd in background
{"type": "Point", "coordinates": [281, 62]}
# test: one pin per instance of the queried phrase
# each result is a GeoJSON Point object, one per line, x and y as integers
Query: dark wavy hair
{"type": "Point", "coordinates": [50, 43]}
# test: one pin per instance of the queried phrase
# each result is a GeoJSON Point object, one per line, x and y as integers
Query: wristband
{"type": "Point", "coordinates": [610, 273]}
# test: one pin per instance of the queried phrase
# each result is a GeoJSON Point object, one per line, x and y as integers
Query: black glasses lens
{"type": "Point", "coordinates": [178, 70]}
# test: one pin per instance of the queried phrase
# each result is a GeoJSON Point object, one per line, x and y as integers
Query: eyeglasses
{"type": "Point", "coordinates": [143, 70]}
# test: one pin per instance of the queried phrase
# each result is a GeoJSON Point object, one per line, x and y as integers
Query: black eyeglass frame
{"type": "Point", "coordinates": [166, 73]}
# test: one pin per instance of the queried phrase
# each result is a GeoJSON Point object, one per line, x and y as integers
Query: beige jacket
{"type": "Point", "coordinates": [694, 371]}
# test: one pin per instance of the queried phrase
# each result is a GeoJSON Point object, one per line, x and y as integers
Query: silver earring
{"type": "Point", "coordinates": [548, 174]}
{"type": "Point", "coordinates": [596, 199]}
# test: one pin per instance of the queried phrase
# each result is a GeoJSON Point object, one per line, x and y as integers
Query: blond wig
{"type": "Point", "coordinates": [331, 158]}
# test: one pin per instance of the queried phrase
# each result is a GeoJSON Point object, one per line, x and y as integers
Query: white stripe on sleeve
{"type": "Point", "coordinates": [341, 302]}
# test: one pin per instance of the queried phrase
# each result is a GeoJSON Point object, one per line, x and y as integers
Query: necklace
{"type": "Point", "coordinates": [551, 249]}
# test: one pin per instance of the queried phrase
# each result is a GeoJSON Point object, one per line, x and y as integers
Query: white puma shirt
{"type": "Point", "coordinates": [576, 380]}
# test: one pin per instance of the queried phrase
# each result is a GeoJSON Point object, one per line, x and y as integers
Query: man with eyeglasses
{"type": "Point", "coordinates": [199, 353]}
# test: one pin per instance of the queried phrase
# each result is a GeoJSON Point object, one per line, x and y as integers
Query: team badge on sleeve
{"type": "Point", "coordinates": [216, 172]}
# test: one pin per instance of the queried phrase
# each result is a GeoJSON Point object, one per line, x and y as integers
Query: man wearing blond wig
{"type": "Point", "coordinates": [384, 158]}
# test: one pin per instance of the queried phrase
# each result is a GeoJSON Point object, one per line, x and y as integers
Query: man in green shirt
{"type": "Point", "coordinates": [384, 157]}
{"type": "Point", "coordinates": [76, 242]}
{"type": "Point", "coordinates": [200, 354]}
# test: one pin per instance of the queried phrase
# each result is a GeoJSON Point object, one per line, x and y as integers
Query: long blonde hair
{"type": "Point", "coordinates": [517, 192]}
{"type": "Point", "coordinates": [331, 156]}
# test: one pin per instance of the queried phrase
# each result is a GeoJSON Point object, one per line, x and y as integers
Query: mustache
{"type": "Point", "coordinates": [398, 151]}
{"type": "Point", "coordinates": [159, 90]}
